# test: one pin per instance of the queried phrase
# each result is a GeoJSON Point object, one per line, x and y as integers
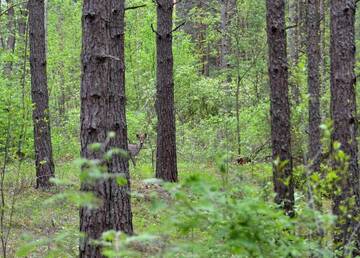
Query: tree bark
{"type": "Point", "coordinates": [103, 111]}
{"type": "Point", "coordinates": [314, 86]}
{"type": "Point", "coordinates": [40, 97]}
{"type": "Point", "coordinates": [280, 108]}
{"type": "Point", "coordinates": [343, 113]}
{"type": "Point", "coordinates": [323, 45]}
{"type": "Point", "coordinates": [166, 165]}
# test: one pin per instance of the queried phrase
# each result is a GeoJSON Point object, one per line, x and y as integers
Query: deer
{"type": "Point", "coordinates": [134, 149]}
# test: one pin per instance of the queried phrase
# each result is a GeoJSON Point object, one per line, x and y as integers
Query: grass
{"type": "Point", "coordinates": [42, 219]}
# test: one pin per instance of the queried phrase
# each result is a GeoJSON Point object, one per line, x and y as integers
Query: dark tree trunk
{"type": "Point", "coordinates": [314, 86]}
{"type": "Point", "coordinates": [103, 111]}
{"type": "Point", "coordinates": [343, 112]}
{"type": "Point", "coordinates": [2, 44]}
{"type": "Point", "coordinates": [166, 166]}
{"type": "Point", "coordinates": [10, 44]}
{"type": "Point", "coordinates": [40, 97]}
{"type": "Point", "coordinates": [280, 108]}
{"type": "Point", "coordinates": [323, 44]}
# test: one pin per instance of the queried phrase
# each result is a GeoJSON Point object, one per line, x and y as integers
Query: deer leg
{"type": "Point", "coordinates": [133, 160]}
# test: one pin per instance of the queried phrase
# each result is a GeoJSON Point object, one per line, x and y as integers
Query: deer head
{"type": "Point", "coordinates": [141, 138]}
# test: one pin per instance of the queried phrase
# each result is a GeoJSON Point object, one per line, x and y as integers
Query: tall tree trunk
{"type": "Point", "coordinates": [2, 44]}
{"type": "Point", "coordinates": [323, 46]}
{"type": "Point", "coordinates": [294, 38]}
{"type": "Point", "coordinates": [293, 35]}
{"type": "Point", "coordinates": [343, 112]}
{"type": "Point", "coordinates": [62, 94]}
{"type": "Point", "coordinates": [102, 112]}
{"type": "Point", "coordinates": [166, 164]}
{"type": "Point", "coordinates": [40, 97]}
{"type": "Point", "coordinates": [313, 52]}
{"type": "Point", "coordinates": [280, 108]}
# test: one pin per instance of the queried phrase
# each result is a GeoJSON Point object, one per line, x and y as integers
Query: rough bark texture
{"type": "Point", "coordinates": [343, 112]}
{"type": "Point", "coordinates": [314, 86]}
{"type": "Point", "coordinates": [103, 111]}
{"type": "Point", "coordinates": [166, 165]}
{"type": "Point", "coordinates": [323, 43]}
{"type": "Point", "coordinates": [40, 97]}
{"type": "Point", "coordinates": [280, 110]}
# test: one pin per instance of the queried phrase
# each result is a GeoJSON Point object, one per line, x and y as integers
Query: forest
{"type": "Point", "coordinates": [179, 128]}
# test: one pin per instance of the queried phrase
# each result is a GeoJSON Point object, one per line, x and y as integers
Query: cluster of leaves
{"type": "Point", "coordinates": [207, 217]}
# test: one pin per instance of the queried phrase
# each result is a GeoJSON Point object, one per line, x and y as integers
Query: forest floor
{"type": "Point", "coordinates": [48, 221]}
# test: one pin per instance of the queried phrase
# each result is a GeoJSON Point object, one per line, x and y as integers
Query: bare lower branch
{"type": "Point", "coordinates": [291, 26]}
{"type": "Point", "coordinates": [155, 31]}
{"type": "Point", "coordinates": [135, 7]}
{"type": "Point", "coordinates": [12, 6]}
{"type": "Point", "coordinates": [177, 27]}
{"type": "Point", "coordinates": [157, 2]}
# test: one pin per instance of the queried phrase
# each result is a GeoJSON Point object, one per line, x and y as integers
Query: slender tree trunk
{"type": "Point", "coordinates": [294, 46]}
{"type": "Point", "coordinates": [62, 94]}
{"type": "Point", "coordinates": [293, 35]}
{"type": "Point", "coordinates": [323, 46]}
{"type": "Point", "coordinates": [280, 108]}
{"type": "Point", "coordinates": [200, 31]}
{"type": "Point", "coordinates": [22, 20]}
{"type": "Point", "coordinates": [166, 165]}
{"type": "Point", "coordinates": [314, 86]}
{"type": "Point", "coordinates": [10, 44]}
{"type": "Point", "coordinates": [2, 44]}
{"type": "Point", "coordinates": [24, 33]}
{"type": "Point", "coordinates": [103, 111]}
{"type": "Point", "coordinates": [227, 10]}
{"type": "Point", "coordinates": [40, 97]}
{"type": "Point", "coordinates": [343, 112]}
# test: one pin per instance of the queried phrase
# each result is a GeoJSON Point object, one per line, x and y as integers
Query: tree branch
{"type": "Point", "coordinates": [291, 26]}
{"type": "Point", "coordinates": [155, 31]}
{"type": "Point", "coordinates": [12, 6]}
{"type": "Point", "coordinates": [177, 27]}
{"type": "Point", "coordinates": [157, 2]}
{"type": "Point", "coordinates": [135, 7]}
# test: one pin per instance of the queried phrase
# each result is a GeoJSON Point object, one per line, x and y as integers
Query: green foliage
{"type": "Point", "coordinates": [228, 213]}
